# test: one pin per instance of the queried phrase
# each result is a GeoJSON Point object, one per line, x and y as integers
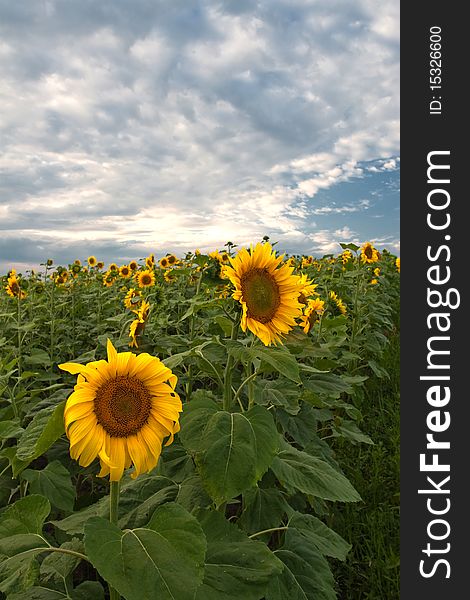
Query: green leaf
{"type": "Point", "coordinates": [176, 463]}
{"type": "Point", "coordinates": [16, 465]}
{"type": "Point", "coordinates": [88, 590]}
{"type": "Point", "coordinates": [20, 539]}
{"type": "Point", "coordinates": [18, 577]}
{"type": "Point", "coordinates": [236, 567]}
{"type": "Point", "coordinates": [26, 515]}
{"type": "Point", "coordinates": [57, 567]}
{"type": "Point", "coordinates": [349, 246]}
{"type": "Point", "coordinates": [262, 509]}
{"type": "Point", "coordinates": [10, 429]}
{"type": "Point", "coordinates": [192, 494]}
{"type": "Point", "coordinates": [302, 428]}
{"type": "Point", "coordinates": [298, 470]}
{"type": "Point", "coordinates": [279, 394]}
{"type": "Point", "coordinates": [38, 592]}
{"type": "Point", "coordinates": [163, 560]}
{"type": "Point", "coordinates": [235, 451]}
{"type": "Point", "coordinates": [280, 359]}
{"type": "Point", "coordinates": [328, 384]}
{"type": "Point", "coordinates": [328, 542]}
{"type": "Point", "coordinates": [53, 482]}
{"type": "Point", "coordinates": [224, 323]}
{"type": "Point", "coordinates": [194, 419]}
{"type": "Point", "coordinates": [350, 431]}
{"type": "Point", "coordinates": [138, 499]}
{"type": "Point", "coordinates": [45, 428]}
{"type": "Point", "coordinates": [306, 574]}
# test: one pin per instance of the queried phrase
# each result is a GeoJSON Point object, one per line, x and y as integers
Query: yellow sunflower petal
{"type": "Point", "coordinates": [73, 368]}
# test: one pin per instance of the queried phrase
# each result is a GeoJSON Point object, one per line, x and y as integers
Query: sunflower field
{"type": "Point", "coordinates": [169, 427]}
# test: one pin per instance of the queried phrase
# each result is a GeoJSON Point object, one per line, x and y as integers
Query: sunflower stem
{"type": "Point", "coordinates": [18, 324]}
{"type": "Point", "coordinates": [113, 517]}
{"type": "Point", "coordinates": [248, 381]}
{"type": "Point", "coordinates": [113, 502]}
{"type": "Point", "coordinates": [356, 297]}
{"type": "Point", "coordinates": [228, 372]}
{"type": "Point", "coordinates": [189, 384]}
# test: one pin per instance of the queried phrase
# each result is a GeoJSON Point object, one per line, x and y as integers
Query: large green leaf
{"type": "Point", "coordinates": [194, 419]}
{"type": "Point", "coordinates": [57, 567]}
{"type": "Point", "coordinates": [138, 499]}
{"type": "Point", "coordinates": [280, 359]}
{"type": "Point", "coordinates": [20, 540]}
{"type": "Point", "coordinates": [320, 535]}
{"type": "Point", "coordinates": [302, 428]}
{"type": "Point", "coordinates": [236, 567]}
{"type": "Point", "coordinates": [38, 592]}
{"type": "Point", "coordinates": [306, 574]}
{"type": "Point", "coordinates": [236, 449]}
{"type": "Point", "coordinates": [164, 560]}
{"type": "Point", "coordinates": [192, 494]}
{"type": "Point", "coordinates": [18, 576]}
{"type": "Point", "coordinates": [45, 428]}
{"type": "Point", "coordinates": [88, 590]}
{"type": "Point", "coordinates": [10, 429]}
{"type": "Point", "coordinates": [262, 509]}
{"type": "Point", "coordinates": [54, 483]}
{"type": "Point", "coordinates": [26, 515]}
{"type": "Point", "coordinates": [279, 393]}
{"type": "Point", "coordinates": [298, 470]}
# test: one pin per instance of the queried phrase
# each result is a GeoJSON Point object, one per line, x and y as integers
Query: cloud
{"type": "Point", "coordinates": [163, 125]}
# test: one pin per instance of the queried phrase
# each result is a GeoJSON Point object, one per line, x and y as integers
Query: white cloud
{"type": "Point", "coordinates": [183, 124]}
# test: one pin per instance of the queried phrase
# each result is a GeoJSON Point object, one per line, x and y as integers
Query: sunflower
{"type": "Point", "coordinates": [172, 260]}
{"type": "Point", "coordinates": [132, 298]}
{"type": "Point", "coordinates": [150, 261]}
{"type": "Point", "coordinates": [91, 261]}
{"type": "Point", "coordinates": [113, 267]}
{"type": "Point", "coordinates": [374, 281]}
{"type": "Point", "coordinates": [397, 264]}
{"type": "Point", "coordinates": [369, 254]}
{"type": "Point", "coordinates": [306, 288]}
{"type": "Point", "coordinates": [163, 262]}
{"type": "Point", "coordinates": [100, 265]}
{"type": "Point", "coordinates": [121, 411]}
{"type": "Point", "coordinates": [145, 278]}
{"type": "Point", "coordinates": [377, 272]}
{"type": "Point", "coordinates": [61, 278]}
{"type": "Point", "coordinates": [108, 278]}
{"type": "Point", "coordinates": [138, 325]}
{"type": "Point", "coordinates": [338, 303]}
{"type": "Point", "coordinates": [267, 291]}
{"type": "Point", "coordinates": [311, 314]}
{"type": "Point", "coordinates": [13, 288]}
{"type": "Point", "coordinates": [306, 261]}
{"type": "Point", "coordinates": [124, 271]}
{"type": "Point", "coordinates": [169, 276]}
{"type": "Point", "coordinates": [346, 256]}
{"type": "Point", "coordinates": [133, 266]}
{"type": "Point", "coordinates": [75, 262]}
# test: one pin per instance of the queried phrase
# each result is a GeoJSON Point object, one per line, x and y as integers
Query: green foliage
{"type": "Point", "coordinates": [244, 502]}
{"type": "Point", "coordinates": [164, 559]}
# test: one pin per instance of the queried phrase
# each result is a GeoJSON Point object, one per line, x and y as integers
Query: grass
{"type": "Point", "coordinates": [373, 526]}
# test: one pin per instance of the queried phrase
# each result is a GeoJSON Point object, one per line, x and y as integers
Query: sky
{"type": "Point", "coordinates": [164, 126]}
